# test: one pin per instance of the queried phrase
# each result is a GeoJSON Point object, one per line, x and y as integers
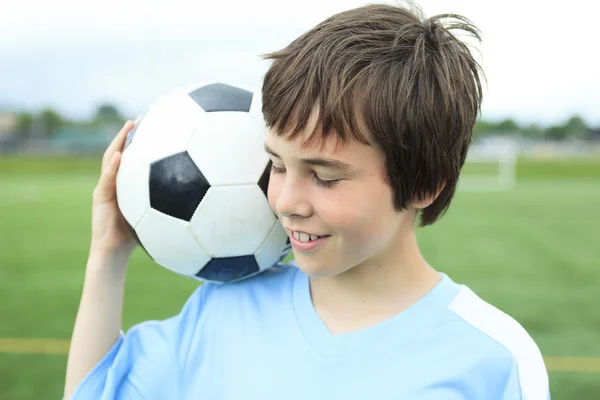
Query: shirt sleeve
{"type": "Point", "coordinates": [538, 388]}
{"type": "Point", "coordinates": [145, 363]}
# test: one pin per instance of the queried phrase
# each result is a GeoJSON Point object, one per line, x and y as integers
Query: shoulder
{"type": "Point", "coordinates": [203, 309]}
{"type": "Point", "coordinates": [487, 321]}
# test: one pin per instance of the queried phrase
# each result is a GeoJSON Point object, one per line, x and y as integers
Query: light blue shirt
{"type": "Point", "coordinates": [262, 339]}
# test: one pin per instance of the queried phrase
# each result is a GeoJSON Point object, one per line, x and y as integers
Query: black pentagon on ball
{"type": "Point", "coordinates": [220, 97]}
{"type": "Point", "coordinates": [263, 182]}
{"type": "Point", "coordinates": [177, 186]}
{"type": "Point", "coordinates": [228, 269]}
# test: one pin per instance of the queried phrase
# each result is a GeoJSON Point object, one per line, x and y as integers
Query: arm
{"type": "Point", "coordinates": [98, 322]}
{"type": "Point", "coordinates": [152, 360]}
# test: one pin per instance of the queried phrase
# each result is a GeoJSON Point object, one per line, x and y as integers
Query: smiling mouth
{"type": "Point", "coordinates": [306, 237]}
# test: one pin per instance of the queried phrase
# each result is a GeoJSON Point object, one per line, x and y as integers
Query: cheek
{"type": "Point", "coordinates": [363, 216]}
{"type": "Point", "coordinates": [358, 222]}
{"type": "Point", "coordinates": [349, 214]}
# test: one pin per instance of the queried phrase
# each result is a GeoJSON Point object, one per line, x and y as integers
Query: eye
{"type": "Point", "coordinates": [276, 170]}
{"type": "Point", "coordinates": [325, 182]}
{"type": "Point", "coordinates": [321, 182]}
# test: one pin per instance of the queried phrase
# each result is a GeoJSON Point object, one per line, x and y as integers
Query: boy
{"type": "Point", "coordinates": [370, 116]}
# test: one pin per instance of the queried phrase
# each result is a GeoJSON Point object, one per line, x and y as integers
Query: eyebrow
{"type": "Point", "coordinates": [321, 162]}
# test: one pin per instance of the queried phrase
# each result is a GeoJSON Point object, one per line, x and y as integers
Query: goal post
{"type": "Point", "coordinates": [490, 165]}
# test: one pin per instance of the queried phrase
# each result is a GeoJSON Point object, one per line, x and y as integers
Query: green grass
{"type": "Point", "coordinates": [532, 251]}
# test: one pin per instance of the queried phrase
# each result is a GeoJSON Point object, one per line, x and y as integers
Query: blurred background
{"type": "Point", "coordinates": [523, 231]}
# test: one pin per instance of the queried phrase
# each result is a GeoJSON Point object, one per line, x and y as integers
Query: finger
{"type": "Point", "coordinates": [117, 143]}
{"type": "Point", "coordinates": [109, 175]}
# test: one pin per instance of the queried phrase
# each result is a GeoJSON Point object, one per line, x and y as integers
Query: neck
{"type": "Point", "coordinates": [376, 289]}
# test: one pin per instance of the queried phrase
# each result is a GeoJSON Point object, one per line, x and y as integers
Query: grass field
{"type": "Point", "coordinates": [533, 251]}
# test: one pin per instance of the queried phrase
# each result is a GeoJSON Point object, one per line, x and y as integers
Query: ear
{"type": "Point", "coordinates": [430, 198]}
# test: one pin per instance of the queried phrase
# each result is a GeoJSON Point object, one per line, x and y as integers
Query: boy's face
{"type": "Point", "coordinates": [356, 211]}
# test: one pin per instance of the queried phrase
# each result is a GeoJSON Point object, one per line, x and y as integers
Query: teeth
{"type": "Point", "coordinates": [304, 237]}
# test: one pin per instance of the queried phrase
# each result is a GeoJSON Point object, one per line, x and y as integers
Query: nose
{"type": "Point", "coordinates": [292, 198]}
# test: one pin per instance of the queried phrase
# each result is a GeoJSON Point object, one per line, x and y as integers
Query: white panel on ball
{"type": "Point", "coordinates": [181, 91]}
{"type": "Point", "coordinates": [256, 106]}
{"type": "Point", "coordinates": [170, 243]}
{"type": "Point", "coordinates": [133, 185]}
{"type": "Point", "coordinates": [233, 220]}
{"type": "Point", "coordinates": [168, 125]}
{"type": "Point", "coordinates": [267, 255]}
{"type": "Point", "coordinates": [237, 156]}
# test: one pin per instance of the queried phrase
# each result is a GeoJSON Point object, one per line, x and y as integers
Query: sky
{"type": "Point", "coordinates": [541, 59]}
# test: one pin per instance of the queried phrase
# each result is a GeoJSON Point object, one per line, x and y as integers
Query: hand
{"type": "Point", "coordinates": [111, 234]}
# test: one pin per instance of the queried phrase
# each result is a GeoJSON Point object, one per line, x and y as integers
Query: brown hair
{"type": "Point", "coordinates": [415, 86]}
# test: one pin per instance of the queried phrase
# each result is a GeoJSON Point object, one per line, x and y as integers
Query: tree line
{"type": "Point", "coordinates": [49, 121]}
{"type": "Point", "coordinates": [573, 128]}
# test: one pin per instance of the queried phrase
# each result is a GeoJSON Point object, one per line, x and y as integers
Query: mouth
{"type": "Point", "coordinates": [300, 242]}
{"type": "Point", "coordinates": [305, 237]}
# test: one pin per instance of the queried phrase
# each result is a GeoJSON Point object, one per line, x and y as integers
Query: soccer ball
{"type": "Point", "coordinates": [192, 184]}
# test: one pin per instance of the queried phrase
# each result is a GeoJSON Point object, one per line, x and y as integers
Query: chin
{"type": "Point", "coordinates": [315, 268]}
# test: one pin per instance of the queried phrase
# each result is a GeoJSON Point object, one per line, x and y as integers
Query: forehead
{"type": "Point", "coordinates": [312, 142]}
